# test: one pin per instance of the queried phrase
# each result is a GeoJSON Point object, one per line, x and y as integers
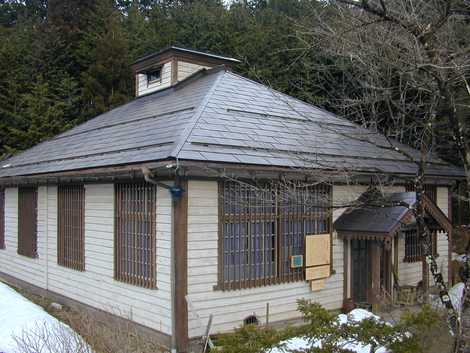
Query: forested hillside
{"type": "Point", "coordinates": [65, 61]}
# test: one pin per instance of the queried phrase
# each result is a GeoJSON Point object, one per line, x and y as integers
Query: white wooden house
{"type": "Point", "coordinates": [198, 198]}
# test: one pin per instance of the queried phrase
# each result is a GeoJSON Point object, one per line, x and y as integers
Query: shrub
{"type": "Point", "coordinates": [337, 335]}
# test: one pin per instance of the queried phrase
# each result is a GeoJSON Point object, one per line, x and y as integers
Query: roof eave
{"type": "Point", "coordinates": [181, 50]}
{"type": "Point", "coordinates": [98, 174]}
{"type": "Point", "coordinates": [213, 169]}
{"type": "Point", "coordinates": [249, 169]}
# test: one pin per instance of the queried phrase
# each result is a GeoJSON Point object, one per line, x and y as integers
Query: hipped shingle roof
{"type": "Point", "coordinates": [218, 116]}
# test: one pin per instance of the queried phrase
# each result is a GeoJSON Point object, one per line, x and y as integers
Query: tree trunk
{"type": "Point", "coordinates": [420, 227]}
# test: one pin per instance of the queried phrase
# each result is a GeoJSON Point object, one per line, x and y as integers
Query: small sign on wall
{"type": "Point", "coordinates": [296, 261]}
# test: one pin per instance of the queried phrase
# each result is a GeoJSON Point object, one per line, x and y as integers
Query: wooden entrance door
{"type": "Point", "coordinates": [360, 270]}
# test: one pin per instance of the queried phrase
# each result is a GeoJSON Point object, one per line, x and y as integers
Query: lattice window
{"type": "Point", "coordinates": [249, 234]}
{"type": "Point", "coordinates": [303, 209]}
{"type": "Point", "coordinates": [413, 248]}
{"type": "Point", "coordinates": [135, 234]}
{"type": "Point", "coordinates": [263, 226]}
{"type": "Point", "coordinates": [460, 210]}
{"type": "Point", "coordinates": [27, 221]}
{"type": "Point", "coordinates": [429, 190]}
{"type": "Point", "coordinates": [2, 218]}
{"type": "Point", "coordinates": [71, 221]}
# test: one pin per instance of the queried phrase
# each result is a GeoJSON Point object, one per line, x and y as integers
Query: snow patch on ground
{"type": "Point", "coordinates": [302, 343]}
{"type": "Point", "coordinates": [456, 296]}
{"type": "Point", "coordinates": [19, 317]}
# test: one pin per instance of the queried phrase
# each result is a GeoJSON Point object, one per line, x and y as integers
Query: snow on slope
{"type": "Point", "coordinates": [22, 320]}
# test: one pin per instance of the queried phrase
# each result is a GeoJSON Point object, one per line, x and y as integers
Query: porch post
{"type": "Point", "coordinates": [450, 274]}
{"type": "Point", "coordinates": [395, 275]}
{"type": "Point", "coordinates": [346, 279]}
{"type": "Point", "coordinates": [375, 274]}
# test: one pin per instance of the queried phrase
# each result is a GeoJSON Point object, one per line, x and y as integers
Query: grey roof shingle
{"type": "Point", "coordinates": [376, 219]}
{"type": "Point", "coordinates": [218, 116]}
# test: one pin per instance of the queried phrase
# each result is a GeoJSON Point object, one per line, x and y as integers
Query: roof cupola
{"type": "Point", "coordinates": [165, 68]}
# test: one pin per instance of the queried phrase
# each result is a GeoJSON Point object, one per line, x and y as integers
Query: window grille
{"type": "Point", "coordinates": [413, 248]}
{"type": "Point", "coordinates": [27, 221]}
{"type": "Point", "coordinates": [429, 190]}
{"type": "Point", "coordinates": [135, 234]}
{"type": "Point", "coordinates": [263, 226]}
{"type": "Point", "coordinates": [71, 220]}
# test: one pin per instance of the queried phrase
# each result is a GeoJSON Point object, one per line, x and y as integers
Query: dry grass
{"type": "Point", "coordinates": [107, 335]}
{"type": "Point", "coordinates": [439, 339]}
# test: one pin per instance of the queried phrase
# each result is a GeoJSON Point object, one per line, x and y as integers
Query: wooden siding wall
{"type": "Point", "coordinates": [230, 308]}
{"type": "Point", "coordinates": [144, 88]}
{"type": "Point", "coordinates": [95, 286]}
{"type": "Point", "coordinates": [31, 270]}
{"type": "Point", "coordinates": [152, 307]}
{"type": "Point", "coordinates": [410, 273]}
{"type": "Point", "coordinates": [186, 69]}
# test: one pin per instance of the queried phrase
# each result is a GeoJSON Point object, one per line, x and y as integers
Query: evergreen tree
{"type": "Point", "coordinates": [107, 81]}
{"type": "Point", "coordinates": [90, 44]}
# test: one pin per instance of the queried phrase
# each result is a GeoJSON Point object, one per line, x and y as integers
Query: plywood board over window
{"type": "Point", "coordinates": [318, 260]}
{"type": "Point", "coordinates": [71, 220]}
{"type": "Point", "coordinates": [27, 221]}
{"type": "Point", "coordinates": [318, 250]}
{"type": "Point", "coordinates": [135, 234]}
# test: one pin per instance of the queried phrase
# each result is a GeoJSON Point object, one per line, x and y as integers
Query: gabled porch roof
{"type": "Point", "coordinates": [381, 216]}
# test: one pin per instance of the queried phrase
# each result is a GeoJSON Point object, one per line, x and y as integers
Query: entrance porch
{"type": "Point", "coordinates": [379, 240]}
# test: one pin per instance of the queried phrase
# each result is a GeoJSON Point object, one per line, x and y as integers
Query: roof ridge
{"type": "Point", "coordinates": [197, 115]}
{"type": "Point", "coordinates": [155, 94]}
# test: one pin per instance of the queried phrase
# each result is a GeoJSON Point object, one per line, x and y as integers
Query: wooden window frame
{"type": "Point", "coordinates": [291, 220]}
{"type": "Point", "coordinates": [2, 218]}
{"type": "Point", "coordinates": [28, 221]}
{"type": "Point", "coordinates": [71, 226]}
{"type": "Point", "coordinates": [149, 73]}
{"type": "Point", "coordinates": [430, 190]}
{"type": "Point", "coordinates": [415, 255]}
{"type": "Point", "coordinates": [129, 263]}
